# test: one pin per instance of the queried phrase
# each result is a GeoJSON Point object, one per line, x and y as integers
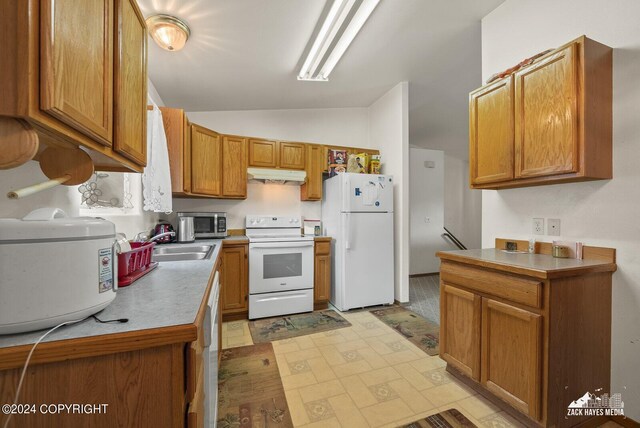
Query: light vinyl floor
{"type": "Point", "coordinates": [366, 375]}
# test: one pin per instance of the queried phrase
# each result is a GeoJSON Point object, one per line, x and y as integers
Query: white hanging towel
{"type": "Point", "coordinates": [156, 178]}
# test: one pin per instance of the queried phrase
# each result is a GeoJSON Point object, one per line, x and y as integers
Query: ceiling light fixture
{"type": "Point", "coordinates": [339, 11]}
{"type": "Point", "coordinates": [169, 32]}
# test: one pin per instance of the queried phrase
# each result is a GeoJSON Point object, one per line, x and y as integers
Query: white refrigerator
{"type": "Point", "coordinates": [357, 211]}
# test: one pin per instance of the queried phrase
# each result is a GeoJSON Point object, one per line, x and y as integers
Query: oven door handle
{"type": "Point", "coordinates": [282, 244]}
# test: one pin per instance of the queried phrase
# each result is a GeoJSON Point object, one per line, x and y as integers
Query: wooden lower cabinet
{"type": "Point", "coordinates": [322, 273]}
{"type": "Point", "coordinates": [531, 339]}
{"type": "Point", "coordinates": [234, 280]}
{"type": "Point", "coordinates": [146, 378]}
{"type": "Point", "coordinates": [512, 355]}
{"type": "Point", "coordinates": [460, 329]}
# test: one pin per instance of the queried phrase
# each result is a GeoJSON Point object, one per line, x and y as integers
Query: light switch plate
{"type": "Point", "coordinates": [553, 227]}
{"type": "Point", "coordinates": [538, 226]}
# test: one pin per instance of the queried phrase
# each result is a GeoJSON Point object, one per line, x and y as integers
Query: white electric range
{"type": "Point", "coordinates": [280, 266]}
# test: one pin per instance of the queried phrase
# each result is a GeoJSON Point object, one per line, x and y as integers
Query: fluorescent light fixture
{"type": "Point", "coordinates": [339, 11]}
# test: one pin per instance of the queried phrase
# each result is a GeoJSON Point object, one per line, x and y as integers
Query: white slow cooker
{"type": "Point", "coordinates": [54, 268]}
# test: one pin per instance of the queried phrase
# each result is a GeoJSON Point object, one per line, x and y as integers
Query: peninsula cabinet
{"type": "Point", "coordinates": [509, 323]}
{"type": "Point", "coordinates": [549, 122]}
{"type": "Point", "coordinates": [75, 72]}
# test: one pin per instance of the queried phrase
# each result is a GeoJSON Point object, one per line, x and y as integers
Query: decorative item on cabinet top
{"type": "Point", "coordinates": [101, 41]}
{"type": "Point", "coordinates": [549, 122]}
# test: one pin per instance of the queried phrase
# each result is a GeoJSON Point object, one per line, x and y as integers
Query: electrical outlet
{"type": "Point", "coordinates": [553, 227]}
{"type": "Point", "coordinates": [538, 226]}
{"type": "Point", "coordinates": [427, 219]}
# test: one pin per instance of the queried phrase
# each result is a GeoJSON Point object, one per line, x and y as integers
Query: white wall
{"type": "Point", "coordinates": [462, 205]}
{"type": "Point", "coordinates": [426, 201]}
{"type": "Point", "coordinates": [389, 132]}
{"type": "Point", "coordinates": [335, 126]}
{"type": "Point", "coordinates": [603, 213]}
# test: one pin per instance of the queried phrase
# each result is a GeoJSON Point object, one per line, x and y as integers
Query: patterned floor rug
{"type": "Point", "coordinates": [448, 419]}
{"type": "Point", "coordinates": [278, 328]}
{"type": "Point", "coordinates": [419, 331]}
{"type": "Point", "coordinates": [250, 392]}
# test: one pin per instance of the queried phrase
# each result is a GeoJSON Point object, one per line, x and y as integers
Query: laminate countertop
{"type": "Point", "coordinates": [168, 296]}
{"type": "Point", "coordinates": [537, 265]}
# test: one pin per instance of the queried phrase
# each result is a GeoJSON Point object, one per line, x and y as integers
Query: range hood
{"type": "Point", "coordinates": [279, 176]}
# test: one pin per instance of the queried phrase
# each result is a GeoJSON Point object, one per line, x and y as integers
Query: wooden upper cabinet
{"type": "Point", "coordinates": [512, 355]}
{"type": "Point", "coordinates": [546, 132]}
{"type": "Point", "coordinates": [76, 70]}
{"type": "Point", "coordinates": [311, 190]}
{"type": "Point", "coordinates": [491, 132]}
{"type": "Point", "coordinates": [176, 129]}
{"type": "Point", "coordinates": [263, 153]}
{"type": "Point", "coordinates": [130, 96]}
{"type": "Point", "coordinates": [460, 316]}
{"type": "Point", "coordinates": [291, 155]}
{"type": "Point", "coordinates": [550, 122]}
{"type": "Point", "coordinates": [234, 167]}
{"type": "Point", "coordinates": [205, 151]}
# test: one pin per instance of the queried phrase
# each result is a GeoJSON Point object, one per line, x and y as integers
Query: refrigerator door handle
{"type": "Point", "coordinates": [347, 241]}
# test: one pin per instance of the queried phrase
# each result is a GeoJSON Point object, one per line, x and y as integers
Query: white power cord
{"type": "Point", "coordinates": [26, 364]}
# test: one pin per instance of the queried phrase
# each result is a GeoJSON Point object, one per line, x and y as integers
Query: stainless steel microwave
{"type": "Point", "coordinates": [207, 225]}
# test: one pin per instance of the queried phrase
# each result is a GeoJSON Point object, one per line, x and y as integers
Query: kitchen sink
{"type": "Point", "coordinates": [185, 252]}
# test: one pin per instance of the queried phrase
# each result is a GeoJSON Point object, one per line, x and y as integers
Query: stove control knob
{"type": "Point", "coordinates": [296, 220]}
{"type": "Point", "coordinates": [290, 220]}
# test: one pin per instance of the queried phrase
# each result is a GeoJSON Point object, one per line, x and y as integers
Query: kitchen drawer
{"type": "Point", "coordinates": [323, 248]}
{"type": "Point", "coordinates": [513, 288]}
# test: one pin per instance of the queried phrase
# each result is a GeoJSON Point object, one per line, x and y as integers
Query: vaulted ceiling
{"type": "Point", "coordinates": [245, 54]}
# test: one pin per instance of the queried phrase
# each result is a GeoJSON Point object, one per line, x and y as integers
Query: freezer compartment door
{"type": "Point", "coordinates": [368, 264]}
{"type": "Point", "coordinates": [367, 193]}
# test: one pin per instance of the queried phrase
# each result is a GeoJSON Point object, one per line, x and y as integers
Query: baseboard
{"type": "Point", "coordinates": [418, 275]}
{"type": "Point", "coordinates": [625, 422]}
{"type": "Point", "coordinates": [235, 316]}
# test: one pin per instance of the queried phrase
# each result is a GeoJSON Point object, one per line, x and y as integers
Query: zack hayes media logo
{"type": "Point", "coordinates": [592, 405]}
